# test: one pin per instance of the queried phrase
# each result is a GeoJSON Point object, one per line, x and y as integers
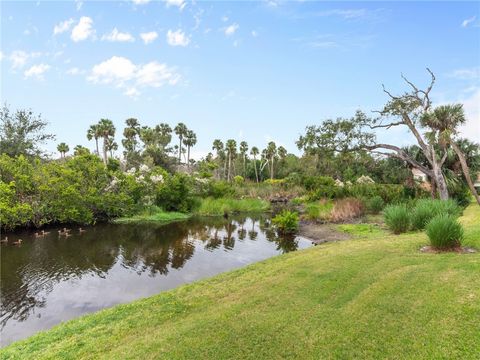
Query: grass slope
{"type": "Point", "coordinates": [372, 297]}
{"type": "Point", "coordinates": [218, 207]}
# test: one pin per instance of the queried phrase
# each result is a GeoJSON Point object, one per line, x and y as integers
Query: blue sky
{"type": "Point", "coordinates": [254, 71]}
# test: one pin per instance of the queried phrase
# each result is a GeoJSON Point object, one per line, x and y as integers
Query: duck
{"type": "Point", "coordinates": [65, 230]}
{"type": "Point", "coordinates": [18, 242]}
{"type": "Point", "coordinates": [67, 234]}
{"type": "Point", "coordinates": [80, 230]}
{"type": "Point", "coordinates": [38, 235]}
{"type": "Point", "coordinates": [60, 232]}
{"type": "Point", "coordinates": [45, 232]}
{"type": "Point", "coordinates": [5, 240]}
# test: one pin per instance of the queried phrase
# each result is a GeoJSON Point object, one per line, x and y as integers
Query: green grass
{"type": "Point", "coordinates": [373, 297]}
{"type": "Point", "coordinates": [153, 215]}
{"type": "Point", "coordinates": [218, 207]}
{"type": "Point", "coordinates": [318, 210]}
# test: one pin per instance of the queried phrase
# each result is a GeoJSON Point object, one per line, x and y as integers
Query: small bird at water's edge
{"type": "Point", "coordinates": [4, 240]}
{"type": "Point", "coordinates": [18, 242]}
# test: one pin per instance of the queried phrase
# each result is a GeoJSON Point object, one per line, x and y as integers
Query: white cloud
{"type": "Point", "coordinates": [1, 55]}
{"type": "Point", "coordinates": [224, 18]}
{"type": "Point", "coordinates": [155, 74]}
{"type": "Point", "coordinates": [117, 36]}
{"type": "Point", "coordinates": [254, 33]}
{"type": "Point", "coordinates": [178, 3]}
{"type": "Point", "coordinates": [345, 13]}
{"type": "Point", "coordinates": [230, 30]}
{"type": "Point", "coordinates": [149, 37]}
{"type": "Point", "coordinates": [177, 38]}
{"type": "Point", "coordinates": [467, 73]}
{"type": "Point", "coordinates": [468, 21]}
{"type": "Point", "coordinates": [18, 58]}
{"type": "Point", "coordinates": [471, 104]}
{"type": "Point", "coordinates": [37, 71]}
{"type": "Point", "coordinates": [78, 4]}
{"type": "Point", "coordinates": [140, 2]}
{"type": "Point", "coordinates": [123, 73]}
{"type": "Point", "coordinates": [75, 71]}
{"type": "Point", "coordinates": [83, 30]}
{"type": "Point", "coordinates": [63, 26]}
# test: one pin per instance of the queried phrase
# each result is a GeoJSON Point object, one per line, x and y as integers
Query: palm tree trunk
{"type": "Point", "coordinates": [96, 143]}
{"type": "Point", "coordinates": [229, 166]}
{"type": "Point", "coordinates": [180, 150]}
{"type": "Point", "coordinates": [105, 150]}
{"type": "Point", "coordinates": [438, 175]}
{"type": "Point", "coordinates": [188, 156]}
{"type": "Point", "coordinates": [466, 171]}
{"type": "Point", "coordinates": [271, 170]}
{"type": "Point", "coordinates": [255, 165]}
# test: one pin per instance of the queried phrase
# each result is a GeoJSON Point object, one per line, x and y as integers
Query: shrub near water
{"type": "Point", "coordinates": [427, 209]}
{"type": "Point", "coordinates": [347, 209]}
{"type": "Point", "coordinates": [286, 222]}
{"type": "Point", "coordinates": [444, 232]}
{"type": "Point", "coordinates": [397, 218]}
{"type": "Point", "coordinates": [375, 204]}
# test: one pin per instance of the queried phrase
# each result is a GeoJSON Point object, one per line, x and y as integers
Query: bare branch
{"type": "Point", "coordinates": [388, 93]}
{"type": "Point", "coordinates": [388, 126]}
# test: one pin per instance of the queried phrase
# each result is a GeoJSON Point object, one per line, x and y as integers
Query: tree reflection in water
{"type": "Point", "coordinates": [31, 271]}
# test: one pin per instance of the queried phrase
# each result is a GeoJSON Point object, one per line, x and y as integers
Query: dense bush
{"type": "Point", "coordinates": [427, 209]}
{"type": "Point", "coordinates": [286, 222]}
{"type": "Point", "coordinates": [176, 194]}
{"type": "Point", "coordinates": [397, 218]}
{"type": "Point", "coordinates": [319, 210]}
{"type": "Point", "coordinates": [375, 204]}
{"type": "Point", "coordinates": [444, 232]}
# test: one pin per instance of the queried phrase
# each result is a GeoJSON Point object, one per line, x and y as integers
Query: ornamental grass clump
{"type": "Point", "coordinates": [286, 222]}
{"type": "Point", "coordinates": [397, 218]}
{"type": "Point", "coordinates": [444, 232]}
{"type": "Point", "coordinates": [426, 209]}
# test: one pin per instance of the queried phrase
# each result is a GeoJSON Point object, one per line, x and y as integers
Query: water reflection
{"type": "Point", "coordinates": [52, 279]}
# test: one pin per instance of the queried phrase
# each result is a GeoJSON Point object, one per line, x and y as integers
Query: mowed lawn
{"type": "Point", "coordinates": [373, 297]}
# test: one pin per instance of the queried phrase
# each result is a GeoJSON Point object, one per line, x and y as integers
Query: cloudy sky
{"type": "Point", "coordinates": [254, 71]}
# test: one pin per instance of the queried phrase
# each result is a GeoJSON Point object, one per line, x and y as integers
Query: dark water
{"type": "Point", "coordinates": [45, 281]}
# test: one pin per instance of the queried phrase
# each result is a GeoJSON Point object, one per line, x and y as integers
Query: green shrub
{"type": "Point", "coordinates": [375, 204]}
{"type": "Point", "coordinates": [176, 194]}
{"type": "Point", "coordinates": [286, 222]}
{"type": "Point", "coordinates": [397, 218]}
{"type": "Point", "coordinates": [238, 180]}
{"type": "Point", "coordinates": [427, 209]}
{"type": "Point", "coordinates": [444, 232]}
{"type": "Point", "coordinates": [318, 210]}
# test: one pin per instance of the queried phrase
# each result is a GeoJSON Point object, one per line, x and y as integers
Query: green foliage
{"type": "Point", "coordinates": [153, 214]}
{"type": "Point", "coordinates": [444, 232]}
{"type": "Point", "coordinates": [286, 222]}
{"type": "Point", "coordinates": [319, 210]}
{"type": "Point", "coordinates": [375, 204]}
{"type": "Point", "coordinates": [397, 218]}
{"type": "Point", "coordinates": [238, 180]}
{"type": "Point", "coordinates": [176, 194]}
{"type": "Point", "coordinates": [427, 209]}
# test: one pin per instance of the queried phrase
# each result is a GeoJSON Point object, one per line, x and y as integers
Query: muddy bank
{"type": "Point", "coordinates": [321, 233]}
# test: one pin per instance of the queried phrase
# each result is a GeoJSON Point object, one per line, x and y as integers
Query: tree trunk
{"type": "Point", "coordinates": [271, 170]}
{"type": "Point", "coordinates": [229, 166]}
{"type": "Point", "coordinates": [96, 142]}
{"type": "Point", "coordinates": [180, 150]}
{"type": "Point", "coordinates": [105, 150]}
{"type": "Point", "coordinates": [225, 168]}
{"type": "Point", "coordinates": [255, 165]}
{"type": "Point", "coordinates": [466, 171]}
{"type": "Point", "coordinates": [438, 176]}
{"type": "Point", "coordinates": [188, 156]}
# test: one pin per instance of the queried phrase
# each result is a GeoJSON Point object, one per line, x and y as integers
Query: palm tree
{"type": "Point", "coordinates": [111, 146]}
{"type": "Point", "coordinates": [93, 132]}
{"type": "Point", "coordinates": [231, 147]}
{"type": "Point", "coordinates": [107, 130]}
{"type": "Point", "coordinates": [180, 130]}
{"type": "Point", "coordinates": [243, 153]}
{"type": "Point", "coordinates": [254, 152]}
{"type": "Point", "coordinates": [63, 149]}
{"type": "Point", "coordinates": [445, 120]}
{"type": "Point", "coordinates": [271, 153]}
{"type": "Point", "coordinates": [189, 141]}
{"type": "Point", "coordinates": [218, 147]}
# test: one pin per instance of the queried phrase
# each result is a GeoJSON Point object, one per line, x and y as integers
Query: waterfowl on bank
{"type": "Point", "coordinates": [80, 230]}
{"type": "Point", "coordinates": [5, 240]}
{"type": "Point", "coordinates": [18, 242]}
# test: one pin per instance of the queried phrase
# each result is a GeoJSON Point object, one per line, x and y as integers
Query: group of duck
{"type": "Point", "coordinates": [63, 232]}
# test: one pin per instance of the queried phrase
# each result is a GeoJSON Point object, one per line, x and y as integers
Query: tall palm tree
{"type": "Point", "coordinates": [254, 152]}
{"type": "Point", "coordinates": [93, 132]}
{"type": "Point", "coordinates": [243, 153]}
{"type": "Point", "coordinates": [231, 147]}
{"type": "Point", "coordinates": [218, 147]}
{"type": "Point", "coordinates": [111, 146]}
{"type": "Point", "coordinates": [107, 130]}
{"type": "Point", "coordinates": [271, 153]}
{"type": "Point", "coordinates": [180, 130]}
{"type": "Point", "coordinates": [63, 149]}
{"type": "Point", "coordinates": [189, 141]}
{"type": "Point", "coordinates": [445, 121]}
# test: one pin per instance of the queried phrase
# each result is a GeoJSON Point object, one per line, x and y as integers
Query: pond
{"type": "Point", "coordinates": [51, 279]}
